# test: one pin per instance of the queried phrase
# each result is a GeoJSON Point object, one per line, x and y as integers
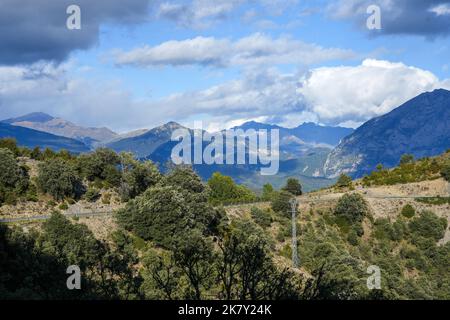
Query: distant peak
{"type": "Point", "coordinates": [31, 117]}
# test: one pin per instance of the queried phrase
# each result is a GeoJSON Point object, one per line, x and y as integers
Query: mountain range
{"type": "Point", "coordinates": [420, 127]}
{"type": "Point", "coordinates": [315, 154]}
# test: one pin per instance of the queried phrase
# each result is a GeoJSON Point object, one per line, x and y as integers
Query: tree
{"type": "Point", "coordinates": [428, 225]}
{"type": "Point", "coordinates": [9, 169]}
{"type": "Point", "coordinates": [267, 192]}
{"type": "Point", "coordinates": [194, 256]}
{"type": "Point", "coordinates": [344, 181]}
{"type": "Point", "coordinates": [161, 275]}
{"type": "Point", "coordinates": [158, 215]}
{"type": "Point", "coordinates": [101, 164]}
{"type": "Point", "coordinates": [352, 207]}
{"type": "Point", "coordinates": [11, 144]}
{"type": "Point", "coordinates": [59, 179]}
{"type": "Point", "coordinates": [293, 186]}
{"type": "Point", "coordinates": [280, 202]}
{"type": "Point", "coordinates": [224, 190]}
{"type": "Point", "coordinates": [406, 159]}
{"type": "Point", "coordinates": [137, 177]}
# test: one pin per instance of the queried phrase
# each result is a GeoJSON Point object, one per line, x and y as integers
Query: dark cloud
{"type": "Point", "coordinates": [33, 30]}
{"type": "Point", "coordinates": [429, 18]}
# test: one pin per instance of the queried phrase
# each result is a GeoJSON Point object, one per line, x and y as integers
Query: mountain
{"type": "Point", "coordinates": [32, 138]}
{"type": "Point", "coordinates": [57, 126]}
{"type": "Point", "coordinates": [420, 127]}
{"type": "Point", "coordinates": [143, 145]}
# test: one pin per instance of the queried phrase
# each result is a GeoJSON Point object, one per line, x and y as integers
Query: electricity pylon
{"type": "Point", "coordinates": [294, 203]}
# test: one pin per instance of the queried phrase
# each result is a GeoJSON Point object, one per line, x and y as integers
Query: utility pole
{"type": "Point", "coordinates": [294, 203]}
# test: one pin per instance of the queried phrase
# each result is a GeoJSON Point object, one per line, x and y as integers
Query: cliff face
{"type": "Point", "coordinates": [420, 127]}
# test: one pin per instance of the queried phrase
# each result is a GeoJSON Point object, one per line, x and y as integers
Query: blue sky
{"type": "Point", "coordinates": [141, 63]}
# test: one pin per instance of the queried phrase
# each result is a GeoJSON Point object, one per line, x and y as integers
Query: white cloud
{"type": "Point", "coordinates": [342, 94]}
{"type": "Point", "coordinates": [209, 51]}
{"type": "Point", "coordinates": [441, 10]}
{"type": "Point", "coordinates": [346, 95]}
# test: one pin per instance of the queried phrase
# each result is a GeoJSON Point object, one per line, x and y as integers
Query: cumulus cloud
{"type": "Point", "coordinates": [351, 95]}
{"type": "Point", "coordinates": [346, 95]}
{"type": "Point", "coordinates": [427, 18]}
{"type": "Point", "coordinates": [36, 30]}
{"type": "Point", "coordinates": [209, 51]}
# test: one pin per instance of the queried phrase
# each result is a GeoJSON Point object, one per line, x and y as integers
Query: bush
{"type": "Point", "coordinates": [267, 192]}
{"type": "Point", "coordinates": [223, 190]}
{"type": "Point", "coordinates": [281, 204]}
{"type": "Point", "coordinates": [9, 169]}
{"type": "Point", "coordinates": [408, 211]}
{"type": "Point", "coordinates": [63, 206]}
{"type": "Point", "coordinates": [428, 225]}
{"type": "Point", "coordinates": [92, 195]}
{"type": "Point", "coordinates": [293, 186]}
{"type": "Point", "coordinates": [445, 171]}
{"type": "Point", "coordinates": [58, 178]}
{"type": "Point", "coordinates": [344, 181]}
{"type": "Point", "coordinates": [261, 217]}
{"type": "Point", "coordinates": [351, 207]}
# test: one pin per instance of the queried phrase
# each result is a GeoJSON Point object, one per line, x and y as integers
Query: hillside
{"type": "Point", "coordinates": [420, 127]}
{"type": "Point", "coordinates": [32, 138]}
{"type": "Point", "coordinates": [57, 126]}
{"type": "Point", "coordinates": [341, 232]}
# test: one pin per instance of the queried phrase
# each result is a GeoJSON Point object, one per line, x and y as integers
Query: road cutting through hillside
{"type": "Point", "coordinates": [305, 198]}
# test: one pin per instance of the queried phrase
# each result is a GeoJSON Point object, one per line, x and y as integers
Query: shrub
{"type": "Point", "coordinates": [267, 192]}
{"type": "Point", "coordinates": [445, 171]}
{"type": "Point", "coordinates": [351, 207]}
{"type": "Point", "coordinates": [223, 190]}
{"type": "Point", "coordinates": [293, 186]}
{"type": "Point", "coordinates": [281, 204]}
{"type": "Point", "coordinates": [261, 217]}
{"type": "Point", "coordinates": [9, 169]}
{"type": "Point", "coordinates": [63, 206]}
{"type": "Point", "coordinates": [428, 225]}
{"type": "Point", "coordinates": [92, 195]}
{"type": "Point", "coordinates": [406, 159]}
{"type": "Point", "coordinates": [58, 178]}
{"type": "Point", "coordinates": [344, 181]}
{"type": "Point", "coordinates": [408, 211]}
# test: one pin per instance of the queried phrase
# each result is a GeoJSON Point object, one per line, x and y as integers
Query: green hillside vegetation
{"type": "Point", "coordinates": [410, 170]}
{"type": "Point", "coordinates": [174, 239]}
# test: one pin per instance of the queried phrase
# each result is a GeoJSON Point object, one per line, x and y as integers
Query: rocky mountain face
{"type": "Point", "coordinates": [57, 126]}
{"type": "Point", "coordinates": [420, 127]}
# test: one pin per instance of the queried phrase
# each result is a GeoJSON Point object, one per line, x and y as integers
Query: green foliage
{"type": "Point", "coordinates": [10, 144]}
{"type": "Point", "coordinates": [267, 192]}
{"type": "Point", "coordinates": [92, 195]}
{"type": "Point", "coordinates": [63, 206]}
{"type": "Point", "coordinates": [408, 211]}
{"type": "Point", "coordinates": [223, 190]}
{"type": "Point", "coordinates": [137, 177]}
{"type": "Point", "coordinates": [406, 159]}
{"type": "Point", "coordinates": [407, 172]}
{"type": "Point", "coordinates": [344, 181]}
{"type": "Point", "coordinates": [293, 186]}
{"type": "Point", "coordinates": [434, 200]}
{"type": "Point", "coordinates": [280, 202]}
{"type": "Point", "coordinates": [428, 225]}
{"type": "Point", "coordinates": [351, 207]}
{"type": "Point", "coordinates": [261, 217]}
{"type": "Point", "coordinates": [14, 179]}
{"type": "Point", "coordinates": [100, 164]}
{"type": "Point", "coordinates": [59, 178]}
{"type": "Point", "coordinates": [445, 171]}
{"type": "Point", "coordinates": [9, 169]}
